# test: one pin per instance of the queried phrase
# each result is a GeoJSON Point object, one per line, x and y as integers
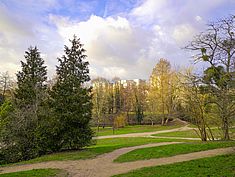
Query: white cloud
{"type": "Point", "coordinates": [114, 47]}
{"type": "Point", "coordinates": [183, 33]}
{"type": "Point", "coordinates": [149, 10]}
{"type": "Point", "coordinates": [126, 44]}
{"type": "Point", "coordinates": [19, 32]}
{"type": "Point", "coordinates": [114, 72]}
{"type": "Point", "coordinates": [198, 18]}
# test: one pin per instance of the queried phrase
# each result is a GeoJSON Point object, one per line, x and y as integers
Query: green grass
{"type": "Point", "coordinates": [35, 173]}
{"type": "Point", "coordinates": [132, 129]}
{"type": "Point", "coordinates": [192, 134]}
{"type": "Point", "coordinates": [170, 150]}
{"type": "Point", "coordinates": [214, 166]}
{"type": "Point", "coordinates": [102, 146]}
{"type": "Point", "coordinates": [185, 134]}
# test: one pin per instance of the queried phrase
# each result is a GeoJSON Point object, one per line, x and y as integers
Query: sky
{"type": "Point", "coordinates": [122, 38]}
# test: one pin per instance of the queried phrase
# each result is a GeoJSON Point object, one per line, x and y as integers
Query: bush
{"type": "Point", "coordinates": [120, 121]}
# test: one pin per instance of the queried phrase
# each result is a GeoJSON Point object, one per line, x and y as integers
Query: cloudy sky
{"type": "Point", "coordinates": [123, 38]}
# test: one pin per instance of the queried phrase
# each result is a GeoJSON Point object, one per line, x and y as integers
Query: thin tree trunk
{"type": "Point", "coordinates": [203, 135]}
{"type": "Point", "coordinates": [226, 129]}
{"type": "Point", "coordinates": [212, 136]}
{"type": "Point", "coordinates": [167, 120]}
{"type": "Point", "coordinates": [98, 125]}
{"type": "Point", "coordinates": [163, 121]}
{"type": "Point", "coordinates": [197, 132]}
{"type": "Point", "coordinates": [128, 118]}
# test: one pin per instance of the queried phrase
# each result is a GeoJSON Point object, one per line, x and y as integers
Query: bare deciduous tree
{"type": "Point", "coordinates": [216, 46]}
{"type": "Point", "coordinates": [6, 84]}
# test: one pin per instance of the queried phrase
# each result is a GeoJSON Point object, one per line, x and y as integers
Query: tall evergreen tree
{"type": "Point", "coordinates": [31, 80]}
{"type": "Point", "coordinates": [21, 140]}
{"type": "Point", "coordinates": [71, 99]}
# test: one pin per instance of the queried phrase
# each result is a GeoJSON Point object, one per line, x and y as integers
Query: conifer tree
{"type": "Point", "coordinates": [21, 140]}
{"type": "Point", "coordinates": [71, 99]}
{"type": "Point", "coordinates": [31, 80]}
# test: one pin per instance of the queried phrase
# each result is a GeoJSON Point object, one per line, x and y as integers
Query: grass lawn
{"type": "Point", "coordinates": [214, 166]}
{"type": "Point", "coordinates": [171, 150]}
{"type": "Point", "coordinates": [185, 134]}
{"type": "Point", "coordinates": [132, 129]}
{"type": "Point", "coordinates": [102, 146]}
{"type": "Point", "coordinates": [36, 173]}
{"type": "Point", "coordinates": [192, 134]}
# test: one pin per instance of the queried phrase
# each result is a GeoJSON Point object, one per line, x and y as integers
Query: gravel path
{"type": "Point", "coordinates": [174, 137]}
{"type": "Point", "coordinates": [103, 165]}
{"type": "Point", "coordinates": [145, 134]}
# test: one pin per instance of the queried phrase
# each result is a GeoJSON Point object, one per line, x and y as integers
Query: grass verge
{"type": "Point", "coordinates": [213, 166]}
{"type": "Point", "coordinates": [170, 150]}
{"type": "Point", "coordinates": [192, 134]}
{"type": "Point", "coordinates": [36, 173]}
{"type": "Point", "coordinates": [102, 146]}
{"type": "Point", "coordinates": [132, 129]}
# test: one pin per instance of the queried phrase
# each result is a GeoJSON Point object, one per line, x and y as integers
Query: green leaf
{"type": "Point", "coordinates": [203, 50]}
{"type": "Point", "coordinates": [205, 57]}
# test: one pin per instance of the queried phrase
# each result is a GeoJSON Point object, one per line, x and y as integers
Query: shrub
{"type": "Point", "coordinates": [120, 121]}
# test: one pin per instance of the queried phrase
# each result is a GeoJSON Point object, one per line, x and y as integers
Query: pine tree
{"type": "Point", "coordinates": [21, 138]}
{"type": "Point", "coordinates": [31, 80]}
{"type": "Point", "coordinates": [71, 100]}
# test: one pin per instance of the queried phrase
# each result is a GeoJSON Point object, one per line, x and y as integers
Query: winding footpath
{"type": "Point", "coordinates": [103, 165]}
{"type": "Point", "coordinates": [148, 134]}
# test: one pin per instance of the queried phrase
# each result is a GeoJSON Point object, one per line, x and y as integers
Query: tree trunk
{"type": "Point", "coordinates": [226, 129]}
{"type": "Point", "coordinates": [128, 117]}
{"type": "Point", "coordinates": [113, 129]}
{"type": "Point", "coordinates": [212, 136]}
{"type": "Point", "coordinates": [98, 125]}
{"type": "Point", "coordinates": [203, 134]}
{"type": "Point", "coordinates": [104, 122]}
{"type": "Point", "coordinates": [166, 122]}
{"type": "Point", "coordinates": [163, 120]}
{"type": "Point", "coordinates": [152, 122]}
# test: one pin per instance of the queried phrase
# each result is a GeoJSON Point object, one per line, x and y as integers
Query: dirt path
{"type": "Point", "coordinates": [145, 134]}
{"type": "Point", "coordinates": [174, 137]}
{"type": "Point", "coordinates": [103, 166]}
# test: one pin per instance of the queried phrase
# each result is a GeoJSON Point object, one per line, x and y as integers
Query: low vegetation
{"type": "Point", "coordinates": [214, 166]}
{"type": "Point", "coordinates": [171, 150]}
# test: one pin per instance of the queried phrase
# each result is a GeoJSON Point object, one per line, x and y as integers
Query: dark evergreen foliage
{"type": "Point", "coordinates": [20, 141]}
{"type": "Point", "coordinates": [31, 80]}
{"type": "Point", "coordinates": [71, 99]}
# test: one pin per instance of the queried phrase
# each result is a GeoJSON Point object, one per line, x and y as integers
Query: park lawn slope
{"type": "Point", "coordinates": [132, 129]}
{"type": "Point", "coordinates": [213, 166]}
{"type": "Point", "coordinates": [192, 133]}
{"type": "Point", "coordinates": [102, 146]}
{"type": "Point", "coordinates": [184, 134]}
{"type": "Point", "coordinates": [171, 150]}
{"type": "Point", "coordinates": [36, 173]}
